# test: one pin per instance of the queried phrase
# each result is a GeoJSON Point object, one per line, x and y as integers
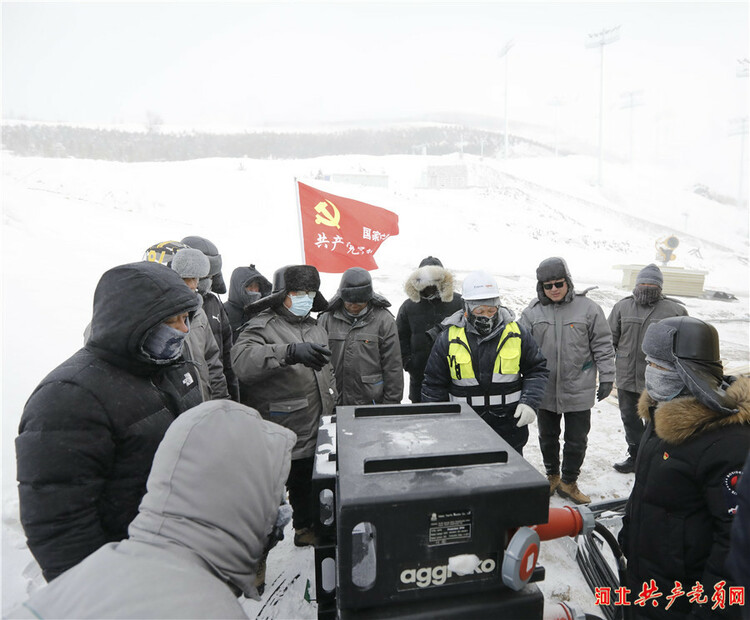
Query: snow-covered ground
{"type": "Point", "coordinates": [66, 221]}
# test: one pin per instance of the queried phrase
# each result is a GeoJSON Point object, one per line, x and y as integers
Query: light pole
{"type": "Point", "coordinates": [631, 99]}
{"type": "Point", "coordinates": [503, 53]}
{"type": "Point", "coordinates": [600, 39]}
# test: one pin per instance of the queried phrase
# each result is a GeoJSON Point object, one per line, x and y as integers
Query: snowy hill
{"type": "Point", "coordinates": [66, 221]}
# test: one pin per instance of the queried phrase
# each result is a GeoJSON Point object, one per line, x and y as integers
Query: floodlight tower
{"type": "Point", "coordinates": [503, 53]}
{"type": "Point", "coordinates": [600, 39]}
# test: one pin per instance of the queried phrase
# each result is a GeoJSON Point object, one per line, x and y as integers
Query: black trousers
{"type": "Point", "coordinates": [505, 426]}
{"type": "Point", "coordinates": [415, 388]}
{"type": "Point", "coordinates": [577, 426]}
{"type": "Point", "coordinates": [631, 422]}
{"type": "Point", "coordinates": [299, 485]}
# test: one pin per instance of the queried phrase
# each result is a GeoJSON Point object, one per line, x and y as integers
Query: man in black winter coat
{"type": "Point", "coordinates": [676, 529]}
{"type": "Point", "coordinates": [246, 286]}
{"type": "Point", "coordinates": [210, 288]}
{"type": "Point", "coordinates": [90, 429]}
{"type": "Point", "coordinates": [431, 299]}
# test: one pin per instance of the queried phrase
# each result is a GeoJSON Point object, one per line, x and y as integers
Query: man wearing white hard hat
{"type": "Point", "coordinates": [486, 359]}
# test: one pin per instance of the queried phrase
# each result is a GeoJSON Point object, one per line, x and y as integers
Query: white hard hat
{"type": "Point", "coordinates": [479, 285]}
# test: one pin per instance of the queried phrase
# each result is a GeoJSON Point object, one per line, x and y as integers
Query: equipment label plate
{"type": "Point", "coordinates": [449, 527]}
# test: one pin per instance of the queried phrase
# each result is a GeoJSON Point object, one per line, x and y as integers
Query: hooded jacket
{"type": "Point", "coordinates": [292, 395]}
{"type": "Point", "coordinates": [238, 299]}
{"type": "Point", "coordinates": [366, 355]}
{"type": "Point", "coordinates": [213, 498]}
{"type": "Point", "coordinates": [89, 431]}
{"type": "Point", "coordinates": [679, 515]}
{"type": "Point", "coordinates": [201, 348]}
{"type": "Point", "coordinates": [576, 341]}
{"type": "Point", "coordinates": [438, 386]}
{"type": "Point", "coordinates": [418, 315]}
{"type": "Point", "coordinates": [628, 322]}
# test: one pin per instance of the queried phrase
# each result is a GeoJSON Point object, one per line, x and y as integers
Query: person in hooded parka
{"type": "Point", "coordinates": [89, 431]}
{"type": "Point", "coordinates": [246, 286]}
{"type": "Point", "coordinates": [679, 516]}
{"type": "Point", "coordinates": [211, 510]}
{"type": "Point", "coordinates": [363, 339]}
{"type": "Point", "coordinates": [431, 299]}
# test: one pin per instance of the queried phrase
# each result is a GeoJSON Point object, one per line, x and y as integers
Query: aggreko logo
{"type": "Point", "coordinates": [426, 576]}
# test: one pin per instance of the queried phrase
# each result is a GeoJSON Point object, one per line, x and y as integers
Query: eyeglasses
{"type": "Point", "coordinates": [310, 294]}
{"type": "Point", "coordinates": [548, 286]}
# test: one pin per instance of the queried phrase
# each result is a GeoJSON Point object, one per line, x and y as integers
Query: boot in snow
{"type": "Point", "coordinates": [554, 482]}
{"type": "Point", "coordinates": [570, 490]}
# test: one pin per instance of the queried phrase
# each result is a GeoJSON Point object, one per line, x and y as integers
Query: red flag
{"type": "Point", "coordinates": [339, 233]}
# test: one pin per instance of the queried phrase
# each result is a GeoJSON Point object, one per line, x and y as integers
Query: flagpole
{"type": "Point", "coordinates": [299, 221]}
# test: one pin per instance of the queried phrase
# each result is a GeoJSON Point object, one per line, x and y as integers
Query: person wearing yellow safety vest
{"type": "Point", "coordinates": [486, 359]}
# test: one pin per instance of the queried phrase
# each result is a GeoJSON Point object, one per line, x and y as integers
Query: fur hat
{"type": "Point", "coordinates": [430, 260]}
{"type": "Point", "coordinates": [554, 268]}
{"type": "Point", "coordinates": [292, 278]}
{"type": "Point", "coordinates": [430, 275]}
{"type": "Point", "coordinates": [650, 274]}
{"type": "Point", "coordinates": [356, 285]}
{"type": "Point", "coordinates": [191, 263]}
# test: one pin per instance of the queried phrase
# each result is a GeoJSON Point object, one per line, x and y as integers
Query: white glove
{"type": "Point", "coordinates": [525, 415]}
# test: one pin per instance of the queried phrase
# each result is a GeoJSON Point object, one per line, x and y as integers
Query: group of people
{"type": "Point", "coordinates": [161, 342]}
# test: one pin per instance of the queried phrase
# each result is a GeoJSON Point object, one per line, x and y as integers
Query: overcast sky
{"type": "Point", "coordinates": [253, 63]}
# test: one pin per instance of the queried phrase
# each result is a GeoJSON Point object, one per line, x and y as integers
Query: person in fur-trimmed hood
{"type": "Point", "coordinates": [364, 342]}
{"type": "Point", "coordinates": [282, 360]}
{"type": "Point", "coordinates": [431, 299]}
{"type": "Point", "coordinates": [679, 515]}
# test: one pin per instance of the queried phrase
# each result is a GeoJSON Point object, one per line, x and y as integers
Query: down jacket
{"type": "Point", "coordinates": [222, 331]}
{"type": "Point", "coordinates": [90, 429]}
{"type": "Point", "coordinates": [213, 498]}
{"type": "Point", "coordinates": [417, 316]}
{"type": "Point", "coordinates": [576, 341]}
{"type": "Point", "coordinates": [437, 378]}
{"type": "Point", "coordinates": [366, 355]}
{"type": "Point", "coordinates": [628, 322]}
{"type": "Point", "coordinates": [294, 396]}
{"type": "Point", "coordinates": [679, 515]}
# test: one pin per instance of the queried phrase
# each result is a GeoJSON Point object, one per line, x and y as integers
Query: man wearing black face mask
{"type": "Point", "coordinates": [486, 359]}
{"type": "Point", "coordinates": [629, 319]}
{"type": "Point", "coordinates": [431, 299]}
{"type": "Point", "coordinates": [90, 429]}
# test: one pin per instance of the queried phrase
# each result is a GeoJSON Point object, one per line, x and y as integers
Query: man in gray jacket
{"type": "Point", "coordinates": [211, 509]}
{"type": "Point", "coordinates": [629, 320]}
{"type": "Point", "coordinates": [573, 334]}
{"type": "Point", "coordinates": [192, 265]}
{"type": "Point", "coordinates": [363, 339]}
{"type": "Point", "coordinates": [282, 361]}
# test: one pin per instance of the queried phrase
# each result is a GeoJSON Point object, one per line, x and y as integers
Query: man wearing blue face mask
{"type": "Point", "coordinates": [90, 429]}
{"type": "Point", "coordinates": [281, 358]}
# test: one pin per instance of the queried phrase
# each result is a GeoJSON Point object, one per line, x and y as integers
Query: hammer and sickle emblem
{"type": "Point", "coordinates": [325, 217]}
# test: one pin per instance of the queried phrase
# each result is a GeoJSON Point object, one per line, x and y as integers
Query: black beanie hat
{"type": "Point", "coordinates": [356, 286]}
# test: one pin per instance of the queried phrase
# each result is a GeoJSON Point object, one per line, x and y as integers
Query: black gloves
{"type": "Point", "coordinates": [605, 388]}
{"type": "Point", "coordinates": [312, 355]}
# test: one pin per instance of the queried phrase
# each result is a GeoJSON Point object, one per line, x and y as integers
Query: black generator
{"type": "Point", "coordinates": [417, 507]}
